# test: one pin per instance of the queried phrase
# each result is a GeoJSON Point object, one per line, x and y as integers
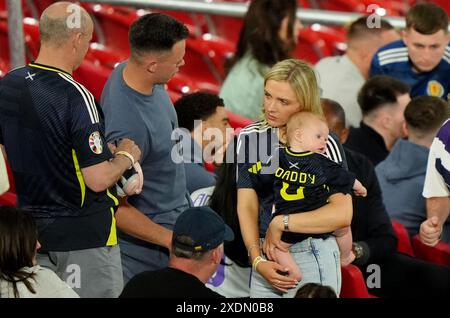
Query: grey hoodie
{"type": "Point", "coordinates": [401, 176]}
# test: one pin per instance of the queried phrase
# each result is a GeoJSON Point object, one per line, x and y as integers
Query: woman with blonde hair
{"type": "Point", "coordinates": [269, 35]}
{"type": "Point", "coordinates": [289, 87]}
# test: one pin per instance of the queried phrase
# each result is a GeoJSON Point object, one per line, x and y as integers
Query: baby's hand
{"type": "Point", "coordinates": [361, 192]}
{"type": "Point", "coordinates": [359, 189]}
{"type": "Point", "coordinates": [348, 259]}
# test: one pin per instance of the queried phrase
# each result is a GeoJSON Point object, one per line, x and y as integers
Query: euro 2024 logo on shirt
{"type": "Point", "coordinates": [434, 88]}
{"type": "Point", "coordinates": [95, 143]}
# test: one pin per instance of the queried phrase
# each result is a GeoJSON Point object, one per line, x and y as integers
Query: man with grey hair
{"type": "Point", "coordinates": [53, 133]}
{"type": "Point", "coordinates": [197, 249]}
{"type": "Point", "coordinates": [64, 27]}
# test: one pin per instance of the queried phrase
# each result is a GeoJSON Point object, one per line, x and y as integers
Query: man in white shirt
{"type": "Point", "coordinates": [436, 190]}
{"type": "Point", "coordinates": [341, 77]}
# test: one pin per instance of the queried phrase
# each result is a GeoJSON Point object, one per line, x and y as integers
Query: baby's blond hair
{"type": "Point", "coordinates": [299, 120]}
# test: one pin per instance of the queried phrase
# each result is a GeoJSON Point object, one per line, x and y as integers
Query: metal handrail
{"type": "Point", "coordinates": [308, 16]}
{"type": "Point", "coordinates": [15, 34]}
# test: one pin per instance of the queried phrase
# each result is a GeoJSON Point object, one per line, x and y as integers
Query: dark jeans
{"type": "Point", "coordinates": [403, 276]}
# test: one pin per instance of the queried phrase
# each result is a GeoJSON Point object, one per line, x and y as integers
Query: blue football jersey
{"type": "Point", "coordinates": [393, 60]}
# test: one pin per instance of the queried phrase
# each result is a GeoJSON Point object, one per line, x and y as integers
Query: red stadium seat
{"type": "Point", "coordinates": [209, 166]}
{"type": "Point", "coordinates": [403, 241]}
{"type": "Point", "coordinates": [303, 4]}
{"type": "Point", "coordinates": [182, 83]}
{"type": "Point", "coordinates": [445, 4]}
{"type": "Point", "coordinates": [31, 37]}
{"type": "Point", "coordinates": [93, 72]}
{"type": "Point", "coordinates": [8, 199]}
{"type": "Point", "coordinates": [4, 44]}
{"type": "Point", "coordinates": [112, 24]}
{"type": "Point", "coordinates": [204, 60]}
{"type": "Point", "coordinates": [96, 68]}
{"type": "Point", "coordinates": [353, 283]}
{"type": "Point", "coordinates": [174, 96]}
{"type": "Point", "coordinates": [34, 8]}
{"type": "Point", "coordinates": [99, 53]}
{"type": "Point", "coordinates": [227, 27]}
{"type": "Point", "coordinates": [196, 23]}
{"type": "Point", "coordinates": [205, 55]}
{"type": "Point", "coordinates": [93, 76]}
{"type": "Point", "coordinates": [311, 46]}
{"type": "Point", "coordinates": [4, 65]}
{"type": "Point", "coordinates": [27, 11]}
{"type": "Point", "coordinates": [440, 253]}
{"type": "Point", "coordinates": [334, 37]}
{"type": "Point", "coordinates": [217, 49]}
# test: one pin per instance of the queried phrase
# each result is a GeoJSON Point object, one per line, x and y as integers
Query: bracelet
{"type": "Point", "coordinates": [256, 261]}
{"type": "Point", "coordinates": [286, 222]}
{"type": "Point", "coordinates": [252, 246]}
{"type": "Point", "coordinates": [128, 155]}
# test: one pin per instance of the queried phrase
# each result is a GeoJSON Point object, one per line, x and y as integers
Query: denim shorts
{"type": "Point", "coordinates": [319, 262]}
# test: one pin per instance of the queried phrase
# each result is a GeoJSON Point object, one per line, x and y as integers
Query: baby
{"type": "Point", "coordinates": [306, 178]}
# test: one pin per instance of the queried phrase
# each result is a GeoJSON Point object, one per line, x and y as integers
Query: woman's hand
{"type": "Point", "coordinates": [270, 271]}
{"type": "Point", "coordinates": [273, 238]}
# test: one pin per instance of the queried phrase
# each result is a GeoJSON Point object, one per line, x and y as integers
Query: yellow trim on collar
{"type": "Point", "coordinates": [298, 154]}
{"type": "Point", "coordinates": [48, 68]}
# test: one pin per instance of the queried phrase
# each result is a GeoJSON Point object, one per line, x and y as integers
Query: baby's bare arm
{"type": "Point", "coordinates": [359, 189]}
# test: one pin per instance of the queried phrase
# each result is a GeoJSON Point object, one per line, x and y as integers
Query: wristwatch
{"type": "Point", "coordinates": [357, 249]}
{"type": "Point", "coordinates": [286, 222]}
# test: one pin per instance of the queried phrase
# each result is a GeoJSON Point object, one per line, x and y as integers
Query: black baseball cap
{"type": "Point", "coordinates": [204, 226]}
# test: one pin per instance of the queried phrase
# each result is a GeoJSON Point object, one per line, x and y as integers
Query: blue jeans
{"type": "Point", "coordinates": [319, 262]}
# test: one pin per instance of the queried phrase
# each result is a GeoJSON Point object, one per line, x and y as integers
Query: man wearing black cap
{"type": "Point", "coordinates": [197, 249]}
